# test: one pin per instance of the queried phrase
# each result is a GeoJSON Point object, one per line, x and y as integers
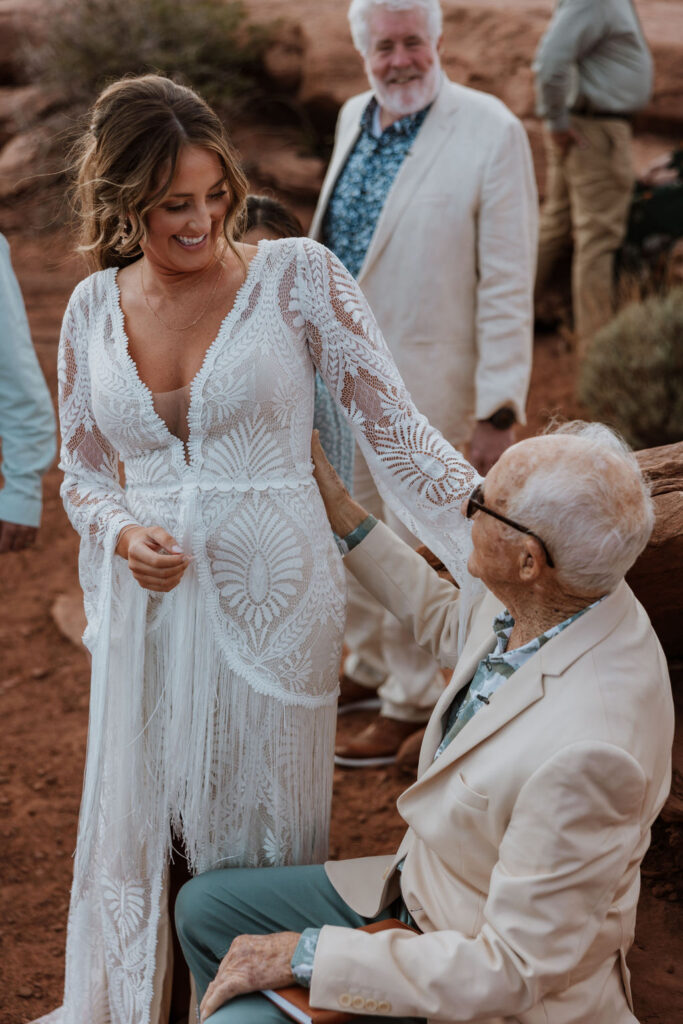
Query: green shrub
{"type": "Point", "coordinates": [207, 44]}
{"type": "Point", "coordinates": [632, 373]}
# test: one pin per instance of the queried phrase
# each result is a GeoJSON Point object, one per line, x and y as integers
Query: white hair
{"type": "Point", "coordinates": [360, 11]}
{"type": "Point", "coordinates": [591, 505]}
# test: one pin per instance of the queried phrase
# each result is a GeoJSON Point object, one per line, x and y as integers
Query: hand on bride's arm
{"type": "Point", "coordinates": [154, 557]}
{"type": "Point", "coordinates": [252, 963]}
{"type": "Point", "coordinates": [343, 512]}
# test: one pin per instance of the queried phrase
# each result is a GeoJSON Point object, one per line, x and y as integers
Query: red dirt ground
{"type": "Point", "coordinates": [44, 691]}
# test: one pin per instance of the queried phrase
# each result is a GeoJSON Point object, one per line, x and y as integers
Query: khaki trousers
{"type": "Point", "coordinates": [382, 654]}
{"type": "Point", "coordinates": [587, 202]}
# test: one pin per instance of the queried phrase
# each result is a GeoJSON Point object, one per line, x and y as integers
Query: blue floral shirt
{"type": "Point", "coordinates": [492, 672]}
{"type": "Point", "coordinates": [364, 183]}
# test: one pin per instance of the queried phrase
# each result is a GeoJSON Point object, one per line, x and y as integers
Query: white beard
{"type": "Point", "coordinates": [401, 100]}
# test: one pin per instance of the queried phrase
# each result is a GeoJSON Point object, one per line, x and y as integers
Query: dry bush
{"type": "Point", "coordinates": [207, 44]}
{"type": "Point", "coordinates": [632, 374]}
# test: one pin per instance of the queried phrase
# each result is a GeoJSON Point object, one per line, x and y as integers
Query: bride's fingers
{"type": "Point", "coordinates": [150, 582]}
{"type": "Point", "coordinates": [141, 553]}
{"type": "Point", "coordinates": [160, 572]}
{"type": "Point", "coordinates": [165, 540]}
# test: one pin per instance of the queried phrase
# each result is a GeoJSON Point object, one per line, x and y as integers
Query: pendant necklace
{"type": "Point", "coordinates": [197, 318]}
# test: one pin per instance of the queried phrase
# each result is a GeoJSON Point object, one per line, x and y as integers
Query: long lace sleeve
{"type": "Point", "coordinates": [422, 477]}
{"type": "Point", "coordinates": [92, 494]}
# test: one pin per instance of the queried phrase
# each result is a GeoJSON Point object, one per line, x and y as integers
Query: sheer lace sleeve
{"type": "Point", "coordinates": [91, 492]}
{"type": "Point", "coordinates": [422, 477]}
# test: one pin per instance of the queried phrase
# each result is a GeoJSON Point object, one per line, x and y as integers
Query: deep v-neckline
{"type": "Point", "coordinates": [119, 318]}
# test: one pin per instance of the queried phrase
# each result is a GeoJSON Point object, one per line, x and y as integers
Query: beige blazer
{"type": "Point", "coordinates": [525, 836]}
{"type": "Point", "coordinates": [449, 273]}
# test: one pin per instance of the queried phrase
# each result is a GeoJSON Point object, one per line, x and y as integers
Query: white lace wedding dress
{"type": "Point", "coordinates": [213, 707]}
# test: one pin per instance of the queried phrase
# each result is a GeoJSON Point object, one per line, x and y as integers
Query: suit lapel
{"type": "Point", "coordinates": [436, 129]}
{"type": "Point", "coordinates": [523, 688]}
{"type": "Point", "coordinates": [462, 676]}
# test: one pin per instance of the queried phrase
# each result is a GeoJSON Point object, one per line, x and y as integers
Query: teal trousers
{"type": "Point", "coordinates": [212, 909]}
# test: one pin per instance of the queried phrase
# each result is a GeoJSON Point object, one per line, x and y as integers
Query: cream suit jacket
{"type": "Point", "coordinates": [449, 273]}
{"type": "Point", "coordinates": [526, 834]}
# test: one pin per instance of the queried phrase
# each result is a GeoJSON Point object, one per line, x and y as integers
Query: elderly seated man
{"type": "Point", "coordinates": [543, 767]}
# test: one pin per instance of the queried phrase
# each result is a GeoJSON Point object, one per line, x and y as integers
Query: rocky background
{"type": "Point", "coordinates": [284, 134]}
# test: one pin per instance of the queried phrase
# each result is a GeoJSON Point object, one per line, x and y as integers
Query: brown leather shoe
{"type": "Point", "coordinates": [377, 744]}
{"type": "Point", "coordinates": [354, 696]}
{"type": "Point", "coordinates": [408, 756]}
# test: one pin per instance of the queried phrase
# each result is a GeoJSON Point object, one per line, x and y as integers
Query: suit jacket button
{"type": "Point", "coordinates": [383, 1006]}
{"type": "Point", "coordinates": [357, 1003]}
{"type": "Point", "coordinates": [345, 1000]}
{"type": "Point", "coordinates": [371, 1004]}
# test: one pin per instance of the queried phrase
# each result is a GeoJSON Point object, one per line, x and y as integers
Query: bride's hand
{"type": "Point", "coordinates": [154, 557]}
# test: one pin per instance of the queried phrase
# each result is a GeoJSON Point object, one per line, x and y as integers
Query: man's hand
{"type": "Point", "coordinates": [252, 963]}
{"type": "Point", "coordinates": [16, 537]}
{"type": "Point", "coordinates": [564, 141]}
{"type": "Point", "coordinates": [343, 512]}
{"type": "Point", "coordinates": [488, 444]}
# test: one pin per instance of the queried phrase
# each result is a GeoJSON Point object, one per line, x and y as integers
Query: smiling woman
{"type": "Point", "coordinates": [213, 588]}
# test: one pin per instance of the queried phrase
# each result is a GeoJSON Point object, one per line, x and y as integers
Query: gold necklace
{"type": "Point", "coordinates": [197, 318]}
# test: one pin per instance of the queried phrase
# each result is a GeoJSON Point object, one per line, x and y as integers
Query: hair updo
{"type": "Point", "coordinates": [127, 159]}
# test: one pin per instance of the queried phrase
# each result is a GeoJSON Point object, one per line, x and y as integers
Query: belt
{"type": "Point", "coordinates": [602, 114]}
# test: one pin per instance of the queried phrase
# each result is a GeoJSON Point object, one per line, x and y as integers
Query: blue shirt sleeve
{"type": "Point", "coordinates": [27, 420]}
{"type": "Point", "coordinates": [304, 955]}
{"type": "Point", "coordinates": [353, 539]}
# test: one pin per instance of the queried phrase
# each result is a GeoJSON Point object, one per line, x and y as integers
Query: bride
{"type": "Point", "coordinates": [213, 587]}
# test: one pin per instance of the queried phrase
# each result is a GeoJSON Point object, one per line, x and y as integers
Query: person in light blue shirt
{"type": "Point", "coordinates": [27, 419]}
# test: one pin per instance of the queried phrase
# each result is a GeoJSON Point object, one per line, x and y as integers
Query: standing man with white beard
{"type": "Point", "coordinates": [430, 201]}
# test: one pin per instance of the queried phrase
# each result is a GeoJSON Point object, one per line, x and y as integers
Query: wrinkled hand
{"type": "Point", "coordinates": [16, 537]}
{"type": "Point", "coordinates": [564, 141]}
{"type": "Point", "coordinates": [154, 557]}
{"type": "Point", "coordinates": [488, 444]}
{"type": "Point", "coordinates": [252, 963]}
{"type": "Point", "coordinates": [343, 512]}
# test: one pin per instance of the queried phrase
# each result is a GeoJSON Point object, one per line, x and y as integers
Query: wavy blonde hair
{"type": "Point", "coordinates": [127, 158]}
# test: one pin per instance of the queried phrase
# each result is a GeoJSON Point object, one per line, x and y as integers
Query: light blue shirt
{"type": "Point", "coordinates": [27, 419]}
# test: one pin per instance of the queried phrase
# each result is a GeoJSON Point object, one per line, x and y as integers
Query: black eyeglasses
{"type": "Point", "coordinates": [475, 503]}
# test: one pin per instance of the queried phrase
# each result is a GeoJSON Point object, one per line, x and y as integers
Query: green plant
{"type": "Point", "coordinates": [207, 44]}
{"type": "Point", "coordinates": [632, 374]}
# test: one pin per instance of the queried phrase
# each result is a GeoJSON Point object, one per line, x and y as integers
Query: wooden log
{"type": "Point", "coordinates": [657, 576]}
